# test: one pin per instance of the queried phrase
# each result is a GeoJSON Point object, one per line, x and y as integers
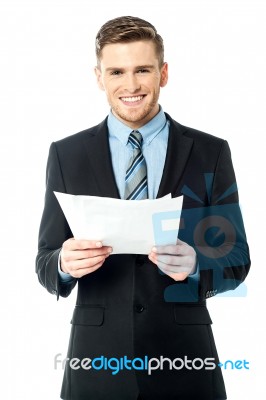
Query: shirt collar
{"type": "Point", "coordinates": [148, 131]}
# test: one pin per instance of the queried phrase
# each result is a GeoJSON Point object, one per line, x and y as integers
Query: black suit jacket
{"type": "Point", "coordinates": [127, 307]}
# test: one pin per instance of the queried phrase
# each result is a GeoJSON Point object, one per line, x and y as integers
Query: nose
{"type": "Point", "coordinates": [132, 85]}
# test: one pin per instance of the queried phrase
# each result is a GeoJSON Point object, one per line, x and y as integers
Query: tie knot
{"type": "Point", "coordinates": [135, 139]}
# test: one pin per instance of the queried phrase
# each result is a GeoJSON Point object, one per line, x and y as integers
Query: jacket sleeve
{"type": "Point", "coordinates": [217, 233]}
{"type": "Point", "coordinates": [54, 230]}
{"type": "Point", "coordinates": [219, 237]}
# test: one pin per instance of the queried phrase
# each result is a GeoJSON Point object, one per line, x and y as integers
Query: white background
{"type": "Point", "coordinates": [217, 63]}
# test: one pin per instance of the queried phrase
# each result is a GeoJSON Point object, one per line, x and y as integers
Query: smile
{"type": "Point", "coordinates": [132, 99]}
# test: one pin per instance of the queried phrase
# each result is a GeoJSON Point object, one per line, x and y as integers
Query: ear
{"type": "Point", "coordinates": [98, 74]}
{"type": "Point", "coordinates": [164, 75]}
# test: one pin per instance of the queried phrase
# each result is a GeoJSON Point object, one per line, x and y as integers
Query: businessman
{"type": "Point", "coordinates": [140, 328]}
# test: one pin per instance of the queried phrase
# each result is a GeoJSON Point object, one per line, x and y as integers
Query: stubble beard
{"type": "Point", "coordinates": [138, 115]}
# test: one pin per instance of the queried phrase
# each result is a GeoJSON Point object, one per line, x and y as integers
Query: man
{"type": "Point", "coordinates": [139, 310]}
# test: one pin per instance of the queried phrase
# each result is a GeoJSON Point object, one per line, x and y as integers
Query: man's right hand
{"type": "Point", "coordinates": [81, 257]}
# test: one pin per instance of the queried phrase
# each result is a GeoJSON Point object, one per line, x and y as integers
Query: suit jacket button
{"type": "Point", "coordinates": [139, 308]}
{"type": "Point", "coordinates": [140, 260]}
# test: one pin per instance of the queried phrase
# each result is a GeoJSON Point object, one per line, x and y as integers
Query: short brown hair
{"type": "Point", "coordinates": [128, 29]}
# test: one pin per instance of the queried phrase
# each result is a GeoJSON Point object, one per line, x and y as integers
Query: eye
{"type": "Point", "coordinates": [116, 73]}
{"type": "Point", "coordinates": [143, 70]}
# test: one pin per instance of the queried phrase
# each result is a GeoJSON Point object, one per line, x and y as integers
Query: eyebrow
{"type": "Point", "coordinates": [138, 67]}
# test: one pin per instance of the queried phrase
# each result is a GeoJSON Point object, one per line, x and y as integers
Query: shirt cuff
{"type": "Point", "coordinates": [195, 274]}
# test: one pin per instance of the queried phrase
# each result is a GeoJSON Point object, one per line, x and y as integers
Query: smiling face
{"type": "Point", "coordinates": [131, 77]}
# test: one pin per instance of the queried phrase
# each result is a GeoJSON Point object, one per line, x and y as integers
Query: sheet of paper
{"type": "Point", "coordinates": [128, 226]}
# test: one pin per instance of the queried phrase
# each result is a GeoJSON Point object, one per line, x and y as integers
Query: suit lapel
{"type": "Point", "coordinates": [178, 150]}
{"type": "Point", "coordinates": [98, 151]}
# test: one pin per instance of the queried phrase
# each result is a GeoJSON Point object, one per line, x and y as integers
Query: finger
{"type": "Point", "coordinates": [178, 241]}
{"type": "Point", "coordinates": [74, 244]}
{"type": "Point", "coordinates": [168, 249]}
{"type": "Point", "coordinates": [169, 259]}
{"type": "Point", "coordinates": [70, 255]}
{"type": "Point", "coordinates": [178, 277]}
{"type": "Point", "coordinates": [85, 271]}
{"type": "Point", "coordinates": [75, 265]}
{"type": "Point", "coordinates": [173, 268]}
{"type": "Point", "coordinates": [182, 249]}
{"type": "Point", "coordinates": [175, 260]}
{"type": "Point", "coordinates": [166, 266]}
{"type": "Point", "coordinates": [152, 257]}
{"type": "Point", "coordinates": [170, 271]}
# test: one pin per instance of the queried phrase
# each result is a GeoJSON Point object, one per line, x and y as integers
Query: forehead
{"type": "Point", "coordinates": [128, 54]}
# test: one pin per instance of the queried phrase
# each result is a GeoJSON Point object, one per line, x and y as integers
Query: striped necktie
{"type": "Point", "coordinates": [136, 187]}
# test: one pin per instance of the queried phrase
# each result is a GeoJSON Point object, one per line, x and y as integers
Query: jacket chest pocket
{"type": "Point", "coordinates": [88, 315]}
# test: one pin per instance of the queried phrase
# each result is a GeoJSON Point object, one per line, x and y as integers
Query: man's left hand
{"type": "Point", "coordinates": [178, 260]}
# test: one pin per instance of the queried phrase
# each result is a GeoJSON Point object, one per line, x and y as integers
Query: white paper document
{"type": "Point", "coordinates": [128, 226]}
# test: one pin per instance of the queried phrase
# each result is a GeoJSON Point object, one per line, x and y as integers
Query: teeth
{"type": "Point", "coordinates": [132, 99]}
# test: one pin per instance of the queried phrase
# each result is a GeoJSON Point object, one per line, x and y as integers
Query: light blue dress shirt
{"type": "Point", "coordinates": [154, 146]}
